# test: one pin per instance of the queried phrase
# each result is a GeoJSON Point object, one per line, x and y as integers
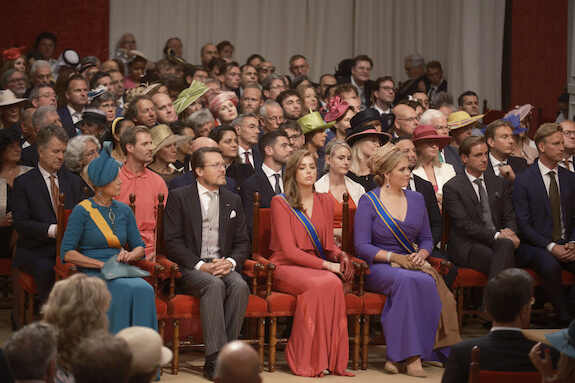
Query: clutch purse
{"type": "Point", "coordinates": [113, 269]}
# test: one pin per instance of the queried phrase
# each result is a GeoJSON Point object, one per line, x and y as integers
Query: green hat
{"type": "Point", "coordinates": [188, 96]}
{"type": "Point", "coordinates": [313, 121]}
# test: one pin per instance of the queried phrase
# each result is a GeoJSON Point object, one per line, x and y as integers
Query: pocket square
{"type": "Point", "coordinates": [233, 214]}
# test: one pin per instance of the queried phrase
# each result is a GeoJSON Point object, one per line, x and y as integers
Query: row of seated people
{"type": "Point", "coordinates": [386, 256]}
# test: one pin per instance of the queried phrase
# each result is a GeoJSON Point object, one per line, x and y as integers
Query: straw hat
{"type": "Point", "coordinates": [148, 351]}
{"type": "Point", "coordinates": [312, 122]}
{"type": "Point", "coordinates": [7, 97]}
{"type": "Point", "coordinates": [461, 119]}
{"type": "Point", "coordinates": [163, 136]}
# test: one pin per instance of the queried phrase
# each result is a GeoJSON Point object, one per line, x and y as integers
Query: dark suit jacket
{"type": "Point", "coordinates": [518, 164]}
{"type": "Point", "coordinates": [29, 156]}
{"type": "Point", "coordinates": [258, 158]}
{"type": "Point", "coordinates": [368, 88]}
{"type": "Point", "coordinates": [501, 350]}
{"type": "Point", "coordinates": [533, 209]}
{"type": "Point", "coordinates": [258, 182]}
{"type": "Point", "coordinates": [67, 122]}
{"type": "Point", "coordinates": [426, 188]}
{"type": "Point", "coordinates": [239, 172]}
{"type": "Point", "coordinates": [441, 88]}
{"type": "Point", "coordinates": [33, 212]}
{"type": "Point", "coordinates": [183, 227]}
{"type": "Point", "coordinates": [462, 205]}
{"type": "Point", "coordinates": [189, 178]}
{"type": "Point", "coordinates": [452, 157]}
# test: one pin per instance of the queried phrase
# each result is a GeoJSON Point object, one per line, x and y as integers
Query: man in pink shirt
{"type": "Point", "coordinates": [142, 182]}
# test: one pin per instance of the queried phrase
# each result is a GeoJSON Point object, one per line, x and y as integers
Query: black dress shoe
{"type": "Point", "coordinates": [210, 370]}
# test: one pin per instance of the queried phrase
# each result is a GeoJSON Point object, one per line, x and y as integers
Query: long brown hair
{"type": "Point", "coordinates": [290, 184]}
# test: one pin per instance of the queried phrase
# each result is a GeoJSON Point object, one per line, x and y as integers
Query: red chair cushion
{"type": "Point", "coordinates": [184, 306]}
{"type": "Point", "coordinates": [5, 266]}
{"type": "Point", "coordinates": [567, 278]}
{"type": "Point", "coordinates": [281, 305]}
{"type": "Point", "coordinates": [27, 282]}
{"type": "Point", "coordinates": [470, 278]}
{"type": "Point", "coordinates": [353, 304]}
{"type": "Point", "coordinates": [257, 307]}
{"type": "Point", "coordinates": [373, 303]}
{"type": "Point", "coordinates": [161, 309]}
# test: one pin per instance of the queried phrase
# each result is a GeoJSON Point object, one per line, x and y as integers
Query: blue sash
{"type": "Point", "coordinates": [391, 224]}
{"type": "Point", "coordinates": [309, 228]}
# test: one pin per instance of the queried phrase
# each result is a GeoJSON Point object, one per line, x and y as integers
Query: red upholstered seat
{"type": "Point", "coordinates": [470, 278]}
{"type": "Point", "coordinates": [281, 305]}
{"type": "Point", "coordinates": [257, 307]}
{"type": "Point", "coordinates": [567, 278]}
{"type": "Point", "coordinates": [373, 303]}
{"type": "Point", "coordinates": [183, 306]}
{"type": "Point", "coordinates": [353, 304]}
{"type": "Point", "coordinates": [27, 282]}
{"type": "Point", "coordinates": [161, 308]}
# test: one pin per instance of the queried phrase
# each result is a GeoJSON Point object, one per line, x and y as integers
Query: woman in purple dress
{"type": "Point", "coordinates": [392, 235]}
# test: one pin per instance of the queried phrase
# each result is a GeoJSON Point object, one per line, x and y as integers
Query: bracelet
{"type": "Point", "coordinates": [388, 254]}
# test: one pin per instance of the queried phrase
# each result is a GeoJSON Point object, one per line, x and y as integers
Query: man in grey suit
{"type": "Point", "coordinates": [205, 234]}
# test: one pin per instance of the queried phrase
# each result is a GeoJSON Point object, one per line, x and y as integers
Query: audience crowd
{"type": "Point", "coordinates": [418, 169]}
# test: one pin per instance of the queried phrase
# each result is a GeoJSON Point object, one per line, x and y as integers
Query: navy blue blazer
{"type": "Point", "coordinates": [533, 209]}
{"type": "Point", "coordinates": [452, 157]}
{"type": "Point", "coordinates": [67, 122]}
{"type": "Point", "coordinates": [29, 156]}
{"type": "Point", "coordinates": [188, 178]}
{"type": "Point", "coordinates": [258, 182]}
{"type": "Point", "coordinates": [518, 164]}
{"type": "Point", "coordinates": [33, 212]}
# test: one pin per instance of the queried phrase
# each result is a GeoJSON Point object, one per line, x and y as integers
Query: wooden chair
{"type": "Point", "coordinates": [477, 375]}
{"type": "Point", "coordinates": [183, 310]}
{"type": "Point", "coordinates": [284, 305]}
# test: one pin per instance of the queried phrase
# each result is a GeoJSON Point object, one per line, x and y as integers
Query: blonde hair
{"type": "Point", "coordinates": [357, 156]}
{"type": "Point", "coordinates": [545, 130]}
{"type": "Point", "coordinates": [290, 184]}
{"type": "Point", "coordinates": [331, 148]}
{"type": "Point", "coordinates": [384, 160]}
{"type": "Point", "coordinates": [77, 308]}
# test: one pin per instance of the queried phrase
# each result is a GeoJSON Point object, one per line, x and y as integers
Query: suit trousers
{"type": "Point", "coordinates": [491, 260]}
{"type": "Point", "coordinates": [549, 269]}
{"type": "Point", "coordinates": [223, 303]}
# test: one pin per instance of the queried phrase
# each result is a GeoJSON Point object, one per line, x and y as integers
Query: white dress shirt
{"type": "Point", "coordinates": [271, 177]}
{"type": "Point", "coordinates": [360, 91]}
{"type": "Point", "coordinates": [242, 156]}
{"type": "Point", "coordinates": [76, 116]}
{"type": "Point", "coordinates": [571, 163]}
{"type": "Point", "coordinates": [496, 164]}
{"type": "Point", "coordinates": [547, 181]}
{"type": "Point", "coordinates": [381, 111]}
{"type": "Point", "coordinates": [205, 199]}
{"type": "Point", "coordinates": [46, 175]}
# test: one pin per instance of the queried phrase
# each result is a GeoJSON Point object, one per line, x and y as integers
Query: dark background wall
{"type": "Point", "coordinates": [79, 24]}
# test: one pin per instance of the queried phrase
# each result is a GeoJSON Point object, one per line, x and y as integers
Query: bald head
{"type": "Point", "coordinates": [238, 362]}
{"type": "Point", "coordinates": [405, 120]}
{"type": "Point", "coordinates": [203, 142]}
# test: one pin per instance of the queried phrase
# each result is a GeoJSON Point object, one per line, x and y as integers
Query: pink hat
{"type": "Point", "coordinates": [428, 133]}
{"type": "Point", "coordinates": [217, 101]}
{"type": "Point", "coordinates": [335, 109]}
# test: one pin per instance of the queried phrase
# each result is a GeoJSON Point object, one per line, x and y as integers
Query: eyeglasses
{"type": "Point", "coordinates": [219, 165]}
{"type": "Point", "coordinates": [388, 88]}
{"type": "Point", "coordinates": [410, 119]}
{"type": "Point", "coordinates": [569, 133]}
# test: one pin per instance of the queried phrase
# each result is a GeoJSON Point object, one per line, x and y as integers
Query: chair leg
{"type": "Point", "coordinates": [261, 341]}
{"type": "Point", "coordinates": [161, 325]}
{"type": "Point", "coordinates": [273, 342]}
{"type": "Point", "coordinates": [460, 307]}
{"type": "Point", "coordinates": [356, 341]}
{"type": "Point", "coordinates": [365, 341]}
{"type": "Point", "coordinates": [30, 308]}
{"type": "Point", "coordinates": [176, 348]}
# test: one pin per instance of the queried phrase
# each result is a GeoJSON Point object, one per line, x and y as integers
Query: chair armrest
{"type": "Point", "coordinates": [254, 271]}
{"type": "Point", "coordinates": [443, 266]}
{"type": "Point", "coordinates": [269, 268]}
{"type": "Point", "coordinates": [64, 270]}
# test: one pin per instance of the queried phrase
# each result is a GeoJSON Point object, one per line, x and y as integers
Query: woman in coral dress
{"type": "Point", "coordinates": [310, 266]}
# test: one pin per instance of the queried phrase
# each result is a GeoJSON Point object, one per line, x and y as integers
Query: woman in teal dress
{"type": "Point", "coordinates": [100, 228]}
